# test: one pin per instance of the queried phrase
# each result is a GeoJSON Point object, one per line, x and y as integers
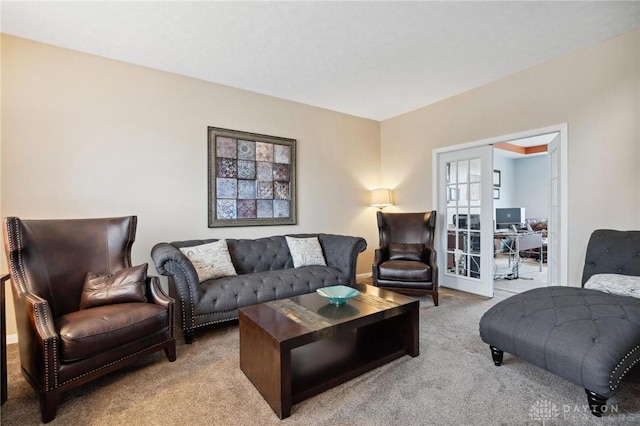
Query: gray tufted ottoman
{"type": "Point", "coordinates": [588, 337]}
{"type": "Point", "coordinates": [585, 336]}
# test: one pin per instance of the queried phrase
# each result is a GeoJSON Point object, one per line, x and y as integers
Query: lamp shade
{"type": "Point", "coordinates": [381, 197]}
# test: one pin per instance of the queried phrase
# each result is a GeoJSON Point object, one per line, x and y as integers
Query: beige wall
{"type": "Point", "coordinates": [84, 136]}
{"type": "Point", "coordinates": [595, 91]}
{"type": "Point", "coordinates": [87, 136]}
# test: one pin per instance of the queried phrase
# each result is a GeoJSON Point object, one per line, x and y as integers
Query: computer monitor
{"type": "Point", "coordinates": [505, 217]}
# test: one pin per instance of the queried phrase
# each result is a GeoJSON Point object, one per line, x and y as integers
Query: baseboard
{"type": "Point", "coordinates": [362, 276]}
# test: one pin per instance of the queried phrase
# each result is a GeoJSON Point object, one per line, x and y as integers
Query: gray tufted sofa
{"type": "Point", "coordinates": [265, 272]}
{"type": "Point", "coordinates": [588, 337]}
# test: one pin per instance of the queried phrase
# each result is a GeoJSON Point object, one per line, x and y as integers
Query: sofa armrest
{"type": "Point", "coordinates": [183, 279]}
{"type": "Point", "coordinates": [341, 252]}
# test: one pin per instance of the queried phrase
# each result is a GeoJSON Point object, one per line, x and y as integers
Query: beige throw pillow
{"type": "Point", "coordinates": [306, 251]}
{"type": "Point", "coordinates": [211, 260]}
{"type": "Point", "coordinates": [622, 285]}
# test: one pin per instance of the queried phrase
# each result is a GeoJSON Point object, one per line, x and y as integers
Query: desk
{"type": "Point", "coordinates": [517, 242]}
{"type": "Point", "coordinates": [3, 331]}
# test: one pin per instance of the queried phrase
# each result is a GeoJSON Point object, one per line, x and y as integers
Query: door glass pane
{"type": "Point", "coordinates": [474, 181]}
{"type": "Point", "coordinates": [464, 194]}
{"type": "Point", "coordinates": [463, 217]}
{"type": "Point", "coordinates": [463, 171]}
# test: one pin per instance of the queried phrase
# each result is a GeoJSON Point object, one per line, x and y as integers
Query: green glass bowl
{"type": "Point", "coordinates": [338, 294]}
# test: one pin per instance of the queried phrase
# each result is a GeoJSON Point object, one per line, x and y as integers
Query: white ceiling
{"type": "Point", "coordinates": [369, 59]}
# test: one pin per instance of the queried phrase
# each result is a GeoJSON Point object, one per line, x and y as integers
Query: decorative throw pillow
{"type": "Point", "coordinates": [623, 285]}
{"type": "Point", "coordinates": [398, 251]}
{"type": "Point", "coordinates": [126, 285]}
{"type": "Point", "coordinates": [306, 251]}
{"type": "Point", "coordinates": [211, 260]}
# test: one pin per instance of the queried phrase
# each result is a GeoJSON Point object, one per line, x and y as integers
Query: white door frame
{"type": "Point", "coordinates": [562, 129]}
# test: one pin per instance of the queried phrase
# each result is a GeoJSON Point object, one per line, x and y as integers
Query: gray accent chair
{"type": "Point", "coordinates": [585, 336]}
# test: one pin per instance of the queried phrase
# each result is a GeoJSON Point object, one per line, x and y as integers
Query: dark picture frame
{"type": "Point", "coordinates": [496, 193]}
{"type": "Point", "coordinates": [251, 179]}
{"type": "Point", "coordinates": [497, 179]}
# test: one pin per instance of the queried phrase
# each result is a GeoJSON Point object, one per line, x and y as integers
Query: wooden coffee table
{"type": "Point", "coordinates": [292, 349]}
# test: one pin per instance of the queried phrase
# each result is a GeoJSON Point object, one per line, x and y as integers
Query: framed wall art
{"type": "Point", "coordinates": [497, 179]}
{"type": "Point", "coordinates": [252, 179]}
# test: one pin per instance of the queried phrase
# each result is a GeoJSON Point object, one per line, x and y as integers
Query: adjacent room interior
{"type": "Point", "coordinates": [521, 198]}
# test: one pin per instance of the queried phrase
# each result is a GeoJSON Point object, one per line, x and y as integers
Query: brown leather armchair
{"type": "Point", "coordinates": [66, 338]}
{"type": "Point", "coordinates": [405, 261]}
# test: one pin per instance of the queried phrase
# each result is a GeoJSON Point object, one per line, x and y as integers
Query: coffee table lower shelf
{"type": "Point", "coordinates": [288, 370]}
{"type": "Point", "coordinates": [325, 364]}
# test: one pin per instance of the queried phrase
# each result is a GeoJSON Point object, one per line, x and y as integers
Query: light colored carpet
{"type": "Point", "coordinates": [452, 382]}
{"type": "Point", "coordinates": [529, 276]}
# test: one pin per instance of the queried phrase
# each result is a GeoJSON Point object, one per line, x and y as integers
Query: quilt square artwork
{"type": "Point", "coordinates": [251, 179]}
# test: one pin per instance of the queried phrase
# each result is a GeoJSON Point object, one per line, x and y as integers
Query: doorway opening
{"type": "Point", "coordinates": [521, 212]}
{"type": "Point", "coordinates": [547, 200]}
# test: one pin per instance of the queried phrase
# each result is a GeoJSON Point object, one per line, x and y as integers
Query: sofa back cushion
{"type": "Point", "coordinates": [255, 255]}
{"type": "Point", "coordinates": [251, 255]}
{"type": "Point", "coordinates": [261, 254]}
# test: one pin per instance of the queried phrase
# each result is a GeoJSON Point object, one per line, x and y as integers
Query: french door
{"type": "Point", "coordinates": [465, 228]}
{"type": "Point", "coordinates": [554, 221]}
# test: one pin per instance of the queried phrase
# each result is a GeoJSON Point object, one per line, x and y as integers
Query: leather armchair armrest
{"type": "Point", "coordinates": [158, 296]}
{"type": "Point", "coordinates": [431, 257]}
{"type": "Point", "coordinates": [432, 261]}
{"type": "Point", "coordinates": [39, 340]}
{"type": "Point", "coordinates": [380, 255]}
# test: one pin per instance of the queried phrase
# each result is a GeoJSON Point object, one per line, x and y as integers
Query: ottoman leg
{"type": "Point", "coordinates": [596, 402]}
{"type": "Point", "coordinates": [496, 354]}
